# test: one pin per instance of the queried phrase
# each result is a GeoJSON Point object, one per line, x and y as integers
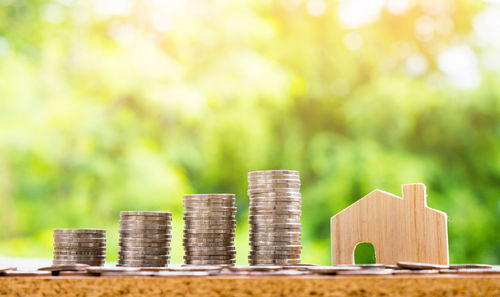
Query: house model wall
{"type": "Point", "coordinates": [400, 229]}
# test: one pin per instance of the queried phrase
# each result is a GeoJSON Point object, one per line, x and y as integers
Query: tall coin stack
{"type": "Point", "coordinates": [144, 238]}
{"type": "Point", "coordinates": [209, 224]}
{"type": "Point", "coordinates": [275, 208]}
{"type": "Point", "coordinates": [79, 246]}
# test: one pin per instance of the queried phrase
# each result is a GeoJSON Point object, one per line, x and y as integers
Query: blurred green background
{"type": "Point", "coordinates": [129, 104]}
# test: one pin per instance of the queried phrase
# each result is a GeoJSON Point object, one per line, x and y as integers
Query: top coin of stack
{"type": "Point", "coordinates": [209, 229]}
{"type": "Point", "coordinates": [275, 209]}
{"type": "Point", "coordinates": [144, 238]}
{"type": "Point", "coordinates": [79, 246]}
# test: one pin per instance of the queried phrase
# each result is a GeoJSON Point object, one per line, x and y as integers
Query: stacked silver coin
{"type": "Point", "coordinates": [275, 209]}
{"type": "Point", "coordinates": [79, 246]}
{"type": "Point", "coordinates": [209, 225]}
{"type": "Point", "coordinates": [144, 238]}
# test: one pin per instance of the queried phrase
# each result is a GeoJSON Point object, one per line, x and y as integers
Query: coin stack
{"type": "Point", "coordinates": [209, 224]}
{"type": "Point", "coordinates": [79, 246]}
{"type": "Point", "coordinates": [274, 219]}
{"type": "Point", "coordinates": [144, 238]}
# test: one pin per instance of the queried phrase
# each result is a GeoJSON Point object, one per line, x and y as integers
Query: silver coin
{"type": "Point", "coordinates": [275, 213]}
{"type": "Point", "coordinates": [277, 230]}
{"type": "Point", "coordinates": [79, 245]}
{"type": "Point", "coordinates": [213, 212]}
{"type": "Point", "coordinates": [90, 263]}
{"type": "Point", "coordinates": [210, 253]}
{"type": "Point", "coordinates": [209, 262]}
{"type": "Point", "coordinates": [274, 261]}
{"type": "Point", "coordinates": [274, 186]}
{"type": "Point", "coordinates": [332, 269]}
{"type": "Point", "coordinates": [274, 219]}
{"type": "Point", "coordinates": [145, 213]}
{"type": "Point", "coordinates": [79, 231]}
{"type": "Point", "coordinates": [211, 235]}
{"type": "Point", "coordinates": [253, 192]}
{"type": "Point", "coordinates": [152, 243]}
{"type": "Point", "coordinates": [219, 195]}
{"type": "Point", "coordinates": [276, 196]}
{"type": "Point", "coordinates": [273, 172]}
{"type": "Point", "coordinates": [145, 218]}
{"type": "Point", "coordinates": [143, 244]}
{"type": "Point", "coordinates": [279, 247]}
{"type": "Point", "coordinates": [415, 265]}
{"type": "Point", "coordinates": [272, 253]}
{"type": "Point", "coordinates": [208, 203]}
{"type": "Point", "coordinates": [260, 257]}
{"type": "Point", "coordinates": [274, 205]}
{"type": "Point", "coordinates": [189, 248]}
{"type": "Point", "coordinates": [471, 266]}
{"type": "Point", "coordinates": [142, 257]}
{"type": "Point", "coordinates": [228, 224]}
{"type": "Point", "coordinates": [145, 235]}
{"type": "Point", "coordinates": [145, 249]}
{"type": "Point", "coordinates": [207, 231]}
{"type": "Point", "coordinates": [78, 237]}
{"type": "Point", "coordinates": [365, 272]}
{"type": "Point", "coordinates": [158, 223]}
{"type": "Point", "coordinates": [225, 257]}
{"type": "Point", "coordinates": [141, 263]}
{"type": "Point", "coordinates": [157, 228]}
{"type": "Point", "coordinates": [92, 249]}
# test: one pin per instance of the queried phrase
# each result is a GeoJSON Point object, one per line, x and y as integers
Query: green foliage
{"type": "Point", "coordinates": [104, 112]}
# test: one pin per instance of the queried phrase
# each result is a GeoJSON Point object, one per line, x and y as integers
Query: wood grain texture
{"type": "Point", "coordinates": [400, 229]}
{"type": "Point", "coordinates": [355, 286]}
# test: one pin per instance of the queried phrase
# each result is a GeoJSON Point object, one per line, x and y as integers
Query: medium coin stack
{"type": "Point", "coordinates": [209, 224]}
{"type": "Point", "coordinates": [79, 246]}
{"type": "Point", "coordinates": [144, 238]}
{"type": "Point", "coordinates": [275, 208]}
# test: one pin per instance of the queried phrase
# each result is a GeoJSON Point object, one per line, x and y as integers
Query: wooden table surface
{"type": "Point", "coordinates": [308, 285]}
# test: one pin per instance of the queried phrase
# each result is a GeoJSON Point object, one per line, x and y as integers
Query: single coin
{"type": "Point", "coordinates": [145, 250]}
{"type": "Point", "coordinates": [255, 268]}
{"type": "Point", "coordinates": [99, 270]}
{"type": "Point", "coordinates": [366, 272]}
{"type": "Point", "coordinates": [275, 213]}
{"type": "Point", "coordinates": [145, 220]}
{"type": "Point", "coordinates": [210, 253]}
{"type": "Point", "coordinates": [276, 196]}
{"type": "Point", "coordinates": [282, 191]}
{"type": "Point", "coordinates": [276, 248]}
{"type": "Point", "coordinates": [143, 264]}
{"type": "Point", "coordinates": [222, 236]}
{"type": "Point", "coordinates": [6, 268]}
{"type": "Point", "coordinates": [143, 245]}
{"type": "Point", "coordinates": [275, 204]}
{"type": "Point", "coordinates": [64, 240]}
{"type": "Point", "coordinates": [204, 241]}
{"type": "Point", "coordinates": [79, 253]}
{"type": "Point", "coordinates": [207, 231]}
{"type": "Point", "coordinates": [81, 244]}
{"type": "Point", "coordinates": [272, 179]}
{"type": "Point", "coordinates": [413, 271]}
{"type": "Point", "coordinates": [145, 235]}
{"type": "Point", "coordinates": [273, 172]}
{"type": "Point", "coordinates": [79, 250]}
{"type": "Point", "coordinates": [145, 213]}
{"type": "Point", "coordinates": [225, 257]}
{"type": "Point", "coordinates": [494, 270]}
{"type": "Point", "coordinates": [266, 255]}
{"type": "Point", "coordinates": [15, 273]}
{"type": "Point", "coordinates": [470, 266]}
{"type": "Point", "coordinates": [209, 262]}
{"type": "Point", "coordinates": [98, 262]}
{"type": "Point", "coordinates": [213, 268]}
{"type": "Point", "coordinates": [273, 261]}
{"type": "Point", "coordinates": [73, 267]}
{"type": "Point", "coordinates": [79, 231]}
{"type": "Point", "coordinates": [332, 269]}
{"type": "Point", "coordinates": [273, 186]}
{"type": "Point", "coordinates": [371, 266]}
{"type": "Point", "coordinates": [254, 210]}
{"type": "Point", "coordinates": [415, 265]}
{"type": "Point", "coordinates": [156, 223]}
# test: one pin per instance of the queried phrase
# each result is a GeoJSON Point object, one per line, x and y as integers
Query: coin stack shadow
{"type": "Point", "coordinates": [144, 238]}
{"type": "Point", "coordinates": [79, 246]}
{"type": "Point", "coordinates": [209, 225]}
{"type": "Point", "coordinates": [275, 208]}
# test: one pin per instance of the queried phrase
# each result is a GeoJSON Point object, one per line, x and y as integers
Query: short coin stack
{"type": "Point", "coordinates": [209, 224]}
{"type": "Point", "coordinates": [275, 208]}
{"type": "Point", "coordinates": [144, 238]}
{"type": "Point", "coordinates": [79, 246]}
